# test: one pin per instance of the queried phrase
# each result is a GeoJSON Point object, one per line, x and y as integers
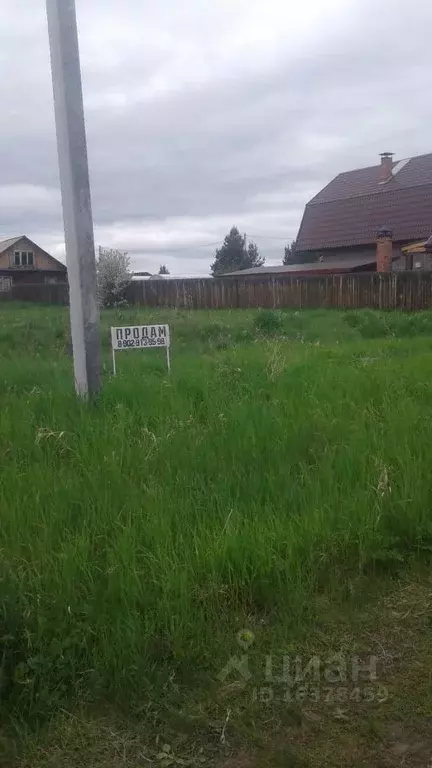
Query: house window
{"type": "Point", "coordinates": [23, 259]}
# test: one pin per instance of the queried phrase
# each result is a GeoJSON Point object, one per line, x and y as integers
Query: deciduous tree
{"type": "Point", "coordinates": [113, 276]}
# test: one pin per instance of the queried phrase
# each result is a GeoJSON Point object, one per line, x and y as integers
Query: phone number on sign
{"type": "Point", "coordinates": [144, 342]}
{"type": "Point", "coordinates": [328, 695]}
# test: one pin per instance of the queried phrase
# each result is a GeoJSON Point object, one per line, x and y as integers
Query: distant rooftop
{"type": "Point", "coordinates": [352, 207]}
{"type": "Point", "coordinates": [342, 264]}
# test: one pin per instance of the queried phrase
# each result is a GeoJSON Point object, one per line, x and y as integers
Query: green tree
{"type": "Point", "coordinates": [254, 257]}
{"type": "Point", "coordinates": [163, 270]}
{"type": "Point", "coordinates": [290, 254]}
{"type": "Point", "coordinates": [234, 255]}
{"type": "Point", "coordinates": [293, 256]}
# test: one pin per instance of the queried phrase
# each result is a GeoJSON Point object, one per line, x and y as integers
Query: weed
{"type": "Point", "coordinates": [269, 321]}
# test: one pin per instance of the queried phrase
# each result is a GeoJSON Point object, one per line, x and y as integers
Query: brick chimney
{"type": "Point", "coordinates": [384, 250]}
{"type": "Point", "coordinates": [386, 169]}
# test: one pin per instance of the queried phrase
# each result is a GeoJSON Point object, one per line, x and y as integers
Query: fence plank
{"type": "Point", "coordinates": [41, 293]}
{"type": "Point", "coordinates": [397, 290]}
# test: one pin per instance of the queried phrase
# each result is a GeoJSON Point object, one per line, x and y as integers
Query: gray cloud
{"type": "Point", "coordinates": [211, 114]}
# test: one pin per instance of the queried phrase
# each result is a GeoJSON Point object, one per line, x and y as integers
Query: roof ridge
{"type": "Point", "coordinates": [5, 244]}
{"type": "Point", "coordinates": [377, 165]}
{"type": "Point", "coordinates": [371, 193]}
{"type": "Point", "coordinates": [8, 239]}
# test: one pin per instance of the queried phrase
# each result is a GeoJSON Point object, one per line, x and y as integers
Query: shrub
{"type": "Point", "coordinates": [370, 325]}
{"type": "Point", "coordinates": [411, 325]}
{"type": "Point", "coordinates": [113, 276]}
{"type": "Point", "coordinates": [269, 321]}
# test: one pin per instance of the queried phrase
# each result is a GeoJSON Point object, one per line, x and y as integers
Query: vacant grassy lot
{"type": "Point", "coordinates": [282, 466]}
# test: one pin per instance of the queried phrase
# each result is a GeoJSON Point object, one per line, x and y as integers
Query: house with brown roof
{"type": "Point", "coordinates": [341, 222]}
{"type": "Point", "coordinates": [22, 261]}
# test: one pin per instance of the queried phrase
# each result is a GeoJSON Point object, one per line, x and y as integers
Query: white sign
{"type": "Point", "coordinates": [140, 337]}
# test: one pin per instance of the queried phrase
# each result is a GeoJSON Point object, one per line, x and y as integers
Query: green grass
{"type": "Point", "coordinates": [281, 460]}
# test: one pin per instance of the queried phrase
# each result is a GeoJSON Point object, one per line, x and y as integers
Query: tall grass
{"type": "Point", "coordinates": [139, 534]}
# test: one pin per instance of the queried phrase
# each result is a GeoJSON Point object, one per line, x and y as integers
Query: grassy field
{"type": "Point", "coordinates": [281, 468]}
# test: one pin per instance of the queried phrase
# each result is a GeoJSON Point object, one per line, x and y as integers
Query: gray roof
{"type": "Point", "coordinates": [342, 264]}
{"type": "Point", "coordinates": [5, 244]}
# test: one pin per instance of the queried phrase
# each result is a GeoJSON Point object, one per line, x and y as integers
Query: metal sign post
{"type": "Point", "coordinates": [75, 188]}
{"type": "Point", "coordinates": [140, 337]}
{"type": "Point", "coordinates": [114, 362]}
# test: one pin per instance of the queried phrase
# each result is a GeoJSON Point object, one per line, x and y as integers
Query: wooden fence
{"type": "Point", "coordinates": [398, 290]}
{"type": "Point", "coordinates": [40, 293]}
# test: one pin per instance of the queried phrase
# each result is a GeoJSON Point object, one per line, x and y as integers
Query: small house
{"type": "Point", "coordinates": [22, 261]}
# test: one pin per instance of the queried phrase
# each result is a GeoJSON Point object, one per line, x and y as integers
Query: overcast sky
{"type": "Point", "coordinates": [202, 114]}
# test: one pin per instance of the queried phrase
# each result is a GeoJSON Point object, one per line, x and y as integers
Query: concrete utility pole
{"type": "Point", "coordinates": [75, 188]}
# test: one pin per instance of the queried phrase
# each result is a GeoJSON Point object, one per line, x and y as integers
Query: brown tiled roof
{"type": "Point", "coordinates": [351, 209]}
